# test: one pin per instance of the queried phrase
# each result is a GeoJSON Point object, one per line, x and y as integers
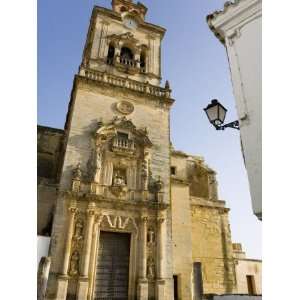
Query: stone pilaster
{"type": "Point", "coordinates": [143, 282]}
{"type": "Point", "coordinates": [83, 280]}
{"type": "Point", "coordinates": [62, 281]}
{"type": "Point", "coordinates": [160, 283]}
{"type": "Point", "coordinates": [93, 259]}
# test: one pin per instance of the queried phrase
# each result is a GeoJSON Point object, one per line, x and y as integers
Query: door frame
{"type": "Point", "coordinates": [133, 271]}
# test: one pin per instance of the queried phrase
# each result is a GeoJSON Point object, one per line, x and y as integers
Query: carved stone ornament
{"type": "Point", "coordinates": [150, 237]}
{"type": "Point", "coordinates": [150, 268]}
{"type": "Point", "coordinates": [77, 239]}
{"type": "Point", "coordinates": [77, 174]}
{"type": "Point", "coordinates": [125, 107]}
{"type": "Point", "coordinates": [74, 264]}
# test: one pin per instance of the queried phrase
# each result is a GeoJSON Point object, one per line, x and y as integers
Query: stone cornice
{"type": "Point", "coordinates": [148, 26]}
{"type": "Point", "coordinates": [179, 153]}
{"type": "Point", "coordinates": [130, 85]}
{"type": "Point", "coordinates": [113, 203]}
{"type": "Point", "coordinates": [233, 14]}
{"type": "Point", "coordinates": [175, 180]}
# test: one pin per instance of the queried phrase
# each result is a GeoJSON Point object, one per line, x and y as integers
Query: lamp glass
{"type": "Point", "coordinates": [216, 112]}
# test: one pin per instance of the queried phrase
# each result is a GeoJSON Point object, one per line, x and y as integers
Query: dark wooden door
{"type": "Point", "coordinates": [112, 274]}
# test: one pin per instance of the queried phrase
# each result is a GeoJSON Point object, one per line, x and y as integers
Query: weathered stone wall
{"type": "Point", "coordinates": [49, 145]}
{"type": "Point", "coordinates": [182, 238]}
{"type": "Point", "coordinates": [49, 142]}
{"type": "Point", "coordinates": [201, 230]}
{"type": "Point", "coordinates": [211, 246]}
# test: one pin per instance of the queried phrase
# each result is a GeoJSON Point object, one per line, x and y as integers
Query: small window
{"type": "Point", "coordinates": [123, 135]}
{"type": "Point", "coordinates": [173, 170]}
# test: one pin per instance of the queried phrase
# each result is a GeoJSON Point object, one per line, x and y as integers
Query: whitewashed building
{"type": "Point", "coordinates": [238, 27]}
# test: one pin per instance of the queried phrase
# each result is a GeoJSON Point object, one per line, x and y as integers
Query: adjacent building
{"type": "Point", "coordinates": [238, 27]}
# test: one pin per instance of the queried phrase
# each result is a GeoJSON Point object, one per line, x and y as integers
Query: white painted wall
{"type": "Point", "coordinates": [246, 267]}
{"type": "Point", "coordinates": [240, 26]}
{"type": "Point", "coordinates": [42, 247]}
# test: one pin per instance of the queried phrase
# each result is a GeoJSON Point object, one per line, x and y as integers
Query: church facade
{"type": "Point", "coordinates": [129, 216]}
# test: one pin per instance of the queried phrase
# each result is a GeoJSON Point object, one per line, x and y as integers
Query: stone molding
{"type": "Point", "coordinates": [233, 17]}
{"type": "Point", "coordinates": [145, 89]}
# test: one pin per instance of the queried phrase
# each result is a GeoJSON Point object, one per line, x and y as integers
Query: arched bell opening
{"type": "Point", "coordinates": [143, 62]}
{"type": "Point", "coordinates": [127, 57]}
{"type": "Point", "coordinates": [111, 54]}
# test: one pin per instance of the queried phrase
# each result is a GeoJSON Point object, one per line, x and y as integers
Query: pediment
{"type": "Point", "coordinates": [106, 132]}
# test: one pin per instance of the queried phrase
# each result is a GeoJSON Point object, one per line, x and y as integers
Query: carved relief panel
{"type": "Point", "coordinates": [120, 157]}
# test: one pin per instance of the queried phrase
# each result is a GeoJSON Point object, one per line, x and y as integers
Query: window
{"type": "Point", "coordinates": [173, 170]}
{"type": "Point", "coordinates": [123, 135]}
{"type": "Point", "coordinates": [251, 284]}
{"type": "Point", "coordinates": [110, 54]}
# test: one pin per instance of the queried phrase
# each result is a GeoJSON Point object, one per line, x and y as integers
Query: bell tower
{"type": "Point", "coordinates": [111, 236]}
{"type": "Point", "coordinates": [122, 43]}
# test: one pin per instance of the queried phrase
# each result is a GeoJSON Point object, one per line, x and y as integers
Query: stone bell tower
{"type": "Point", "coordinates": [111, 237]}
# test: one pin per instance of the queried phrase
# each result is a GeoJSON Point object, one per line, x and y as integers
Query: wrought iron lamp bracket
{"type": "Point", "coordinates": [234, 124]}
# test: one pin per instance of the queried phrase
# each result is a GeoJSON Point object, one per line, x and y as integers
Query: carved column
{"type": "Point", "coordinates": [160, 283]}
{"type": "Point", "coordinates": [144, 247]}
{"type": "Point", "coordinates": [83, 280]}
{"type": "Point", "coordinates": [72, 211]}
{"type": "Point", "coordinates": [62, 283]}
{"type": "Point", "coordinates": [160, 222]}
{"type": "Point", "coordinates": [93, 260]}
{"type": "Point", "coordinates": [143, 282]}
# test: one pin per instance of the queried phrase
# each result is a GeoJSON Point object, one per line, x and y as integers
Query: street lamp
{"type": "Point", "coordinates": [216, 113]}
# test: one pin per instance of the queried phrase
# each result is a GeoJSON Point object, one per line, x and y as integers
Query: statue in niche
{"type": "Point", "coordinates": [119, 179]}
{"type": "Point", "coordinates": [74, 264]}
{"type": "Point", "coordinates": [98, 164]}
{"type": "Point", "coordinates": [78, 235]}
{"type": "Point", "coordinates": [150, 268]}
{"type": "Point", "coordinates": [145, 170]}
{"type": "Point", "coordinates": [150, 236]}
{"type": "Point", "coordinates": [77, 174]}
{"type": "Point", "coordinates": [78, 229]}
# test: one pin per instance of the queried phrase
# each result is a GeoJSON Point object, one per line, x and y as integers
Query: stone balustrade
{"type": "Point", "coordinates": [126, 83]}
{"type": "Point", "coordinates": [124, 144]}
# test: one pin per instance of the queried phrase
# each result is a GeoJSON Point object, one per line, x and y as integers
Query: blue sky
{"type": "Point", "coordinates": [196, 65]}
